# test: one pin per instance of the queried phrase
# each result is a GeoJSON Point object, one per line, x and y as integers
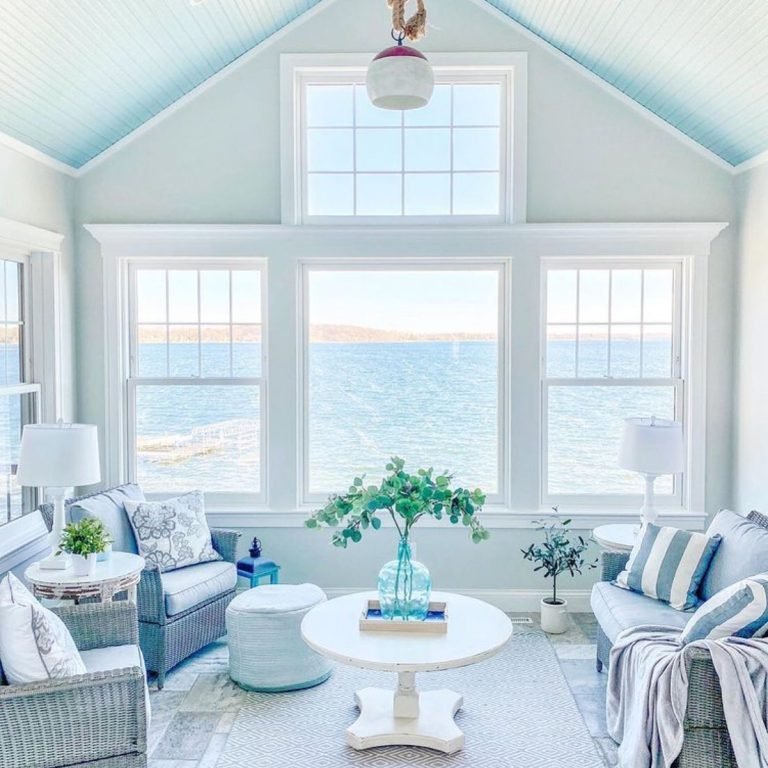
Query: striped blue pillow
{"type": "Point", "coordinates": [740, 610]}
{"type": "Point", "coordinates": [668, 564]}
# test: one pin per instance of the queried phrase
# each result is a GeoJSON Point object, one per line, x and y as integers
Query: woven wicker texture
{"type": "Point", "coordinates": [706, 743]}
{"type": "Point", "coordinates": [167, 641]}
{"type": "Point", "coordinates": [97, 719]}
{"type": "Point", "coordinates": [266, 651]}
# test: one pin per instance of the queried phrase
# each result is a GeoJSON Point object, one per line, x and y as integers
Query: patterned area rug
{"type": "Point", "coordinates": [518, 713]}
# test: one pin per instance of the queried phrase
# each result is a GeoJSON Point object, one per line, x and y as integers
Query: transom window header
{"type": "Point", "coordinates": [457, 160]}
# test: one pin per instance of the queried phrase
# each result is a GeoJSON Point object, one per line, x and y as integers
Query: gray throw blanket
{"type": "Point", "coordinates": [648, 691]}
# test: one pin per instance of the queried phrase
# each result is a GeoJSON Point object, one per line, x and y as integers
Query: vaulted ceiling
{"type": "Point", "coordinates": [77, 76]}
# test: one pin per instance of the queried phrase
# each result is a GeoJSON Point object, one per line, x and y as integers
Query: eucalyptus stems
{"type": "Point", "coordinates": [406, 498]}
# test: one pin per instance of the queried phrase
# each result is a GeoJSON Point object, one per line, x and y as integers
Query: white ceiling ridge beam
{"type": "Point", "coordinates": [36, 154]}
{"type": "Point", "coordinates": [206, 85]}
{"type": "Point", "coordinates": [753, 162]}
{"type": "Point", "coordinates": [574, 65]}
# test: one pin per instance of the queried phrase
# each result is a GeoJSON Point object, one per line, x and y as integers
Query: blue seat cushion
{"type": "Point", "coordinates": [617, 609]}
{"type": "Point", "coordinates": [743, 552]}
{"type": "Point", "coordinates": [109, 508]}
{"type": "Point", "coordinates": [189, 587]}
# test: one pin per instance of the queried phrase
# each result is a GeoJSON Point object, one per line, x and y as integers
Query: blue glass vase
{"type": "Point", "coordinates": [404, 586]}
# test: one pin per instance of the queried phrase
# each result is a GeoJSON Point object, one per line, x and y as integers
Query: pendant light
{"type": "Point", "coordinates": [400, 77]}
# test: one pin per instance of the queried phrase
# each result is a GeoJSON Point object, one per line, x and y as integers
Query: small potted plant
{"type": "Point", "coordinates": [555, 555]}
{"type": "Point", "coordinates": [84, 541]}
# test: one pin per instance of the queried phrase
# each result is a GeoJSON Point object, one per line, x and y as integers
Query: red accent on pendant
{"type": "Point", "coordinates": [400, 50]}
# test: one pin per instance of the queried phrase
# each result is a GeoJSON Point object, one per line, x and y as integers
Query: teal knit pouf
{"type": "Point", "coordinates": [266, 652]}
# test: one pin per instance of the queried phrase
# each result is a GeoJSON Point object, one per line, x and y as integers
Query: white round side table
{"type": "Point", "coordinates": [476, 631]}
{"type": "Point", "coordinates": [120, 573]}
{"type": "Point", "coordinates": [616, 537]}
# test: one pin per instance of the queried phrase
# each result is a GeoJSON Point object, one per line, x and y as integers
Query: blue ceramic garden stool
{"type": "Point", "coordinates": [266, 650]}
{"type": "Point", "coordinates": [256, 568]}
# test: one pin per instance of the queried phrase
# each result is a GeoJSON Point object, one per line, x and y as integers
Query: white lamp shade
{"type": "Point", "coordinates": [59, 455]}
{"type": "Point", "coordinates": [400, 77]}
{"type": "Point", "coordinates": [652, 446]}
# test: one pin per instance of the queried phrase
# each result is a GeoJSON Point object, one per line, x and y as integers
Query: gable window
{"type": "Point", "coordinates": [452, 161]}
{"type": "Point", "coordinates": [196, 378]}
{"type": "Point", "coordinates": [19, 398]}
{"type": "Point", "coordinates": [612, 349]}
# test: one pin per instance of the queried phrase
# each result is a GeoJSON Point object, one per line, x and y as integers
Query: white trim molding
{"type": "Point", "coordinates": [287, 249]}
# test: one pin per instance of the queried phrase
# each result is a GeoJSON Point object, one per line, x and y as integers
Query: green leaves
{"type": "Point", "coordinates": [406, 498]}
{"type": "Point", "coordinates": [86, 537]}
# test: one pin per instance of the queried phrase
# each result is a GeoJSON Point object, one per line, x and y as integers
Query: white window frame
{"type": "Point", "coordinates": [509, 69]}
{"type": "Point", "coordinates": [500, 267]}
{"type": "Point", "coordinates": [678, 379]}
{"type": "Point", "coordinates": [132, 382]}
{"type": "Point", "coordinates": [520, 248]}
{"type": "Point", "coordinates": [40, 250]}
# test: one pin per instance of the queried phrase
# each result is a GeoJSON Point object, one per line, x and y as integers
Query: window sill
{"type": "Point", "coordinates": [22, 539]}
{"type": "Point", "coordinates": [493, 517]}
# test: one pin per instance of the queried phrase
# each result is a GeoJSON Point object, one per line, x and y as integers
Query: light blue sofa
{"type": "Point", "coordinates": [743, 552]}
{"type": "Point", "coordinates": [180, 611]}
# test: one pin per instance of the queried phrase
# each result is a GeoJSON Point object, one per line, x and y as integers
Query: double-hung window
{"type": "Point", "coordinates": [195, 386]}
{"type": "Point", "coordinates": [403, 359]}
{"type": "Point", "coordinates": [19, 398]}
{"type": "Point", "coordinates": [612, 342]}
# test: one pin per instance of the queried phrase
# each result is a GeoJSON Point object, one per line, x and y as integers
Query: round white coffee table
{"type": "Point", "coordinates": [120, 573]}
{"type": "Point", "coordinates": [476, 631]}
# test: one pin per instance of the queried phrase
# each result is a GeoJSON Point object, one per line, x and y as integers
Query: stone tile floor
{"type": "Point", "coordinates": [194, 712]}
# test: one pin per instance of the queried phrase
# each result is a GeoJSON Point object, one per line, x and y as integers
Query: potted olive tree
{"type": "Point", "coordinates": [555, 555]}
{"type": "Point", "coordinates": [84, 541]}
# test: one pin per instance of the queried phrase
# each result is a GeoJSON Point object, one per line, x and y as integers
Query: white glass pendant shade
{"type": "Point", "coordinates": [400, 77]}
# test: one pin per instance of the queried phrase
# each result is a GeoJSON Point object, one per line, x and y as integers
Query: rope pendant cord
{"type": "Point", "coordinates": [414, 28]}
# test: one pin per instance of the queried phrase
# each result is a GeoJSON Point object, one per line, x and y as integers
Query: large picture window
{"type": "Point", "coordinates": [402, 360]}
{"type": "Point", "coordinates": [196, 373]}
{"type": "Point", "coordinates": [612, 342]}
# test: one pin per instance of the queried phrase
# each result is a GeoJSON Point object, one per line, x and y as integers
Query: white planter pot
{"type": "Point", "coordinates": [84, 566]}
{"type": "Point", "coordinates": [554, 618]}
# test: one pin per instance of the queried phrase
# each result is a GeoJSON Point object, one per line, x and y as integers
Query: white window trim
{"type": "Point", "coordinates": [679, 381]}
{"type": "Point", "coordinates": [523, 246]}
{"type": "Point", "coordinates": [500, 267]}
{"type": "Point", "coordinates": [512, 66]}
{"type": "Point", "coordinates": [132, 265]}
{"type": "Point", "coordinates": [40, 250]}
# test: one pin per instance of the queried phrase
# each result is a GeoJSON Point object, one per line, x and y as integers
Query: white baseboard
{"type": "Point", "coordinates": [508, 600]}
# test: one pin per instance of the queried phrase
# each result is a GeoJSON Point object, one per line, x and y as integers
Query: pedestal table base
{"type": "Point", "coordinates": [406, 717]}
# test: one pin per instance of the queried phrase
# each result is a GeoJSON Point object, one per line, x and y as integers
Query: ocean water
{"type": "Point", "coordinates": [433, 403]}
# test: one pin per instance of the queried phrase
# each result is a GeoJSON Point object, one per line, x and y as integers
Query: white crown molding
{"type": "Point", "coordinates": [41, 157]}
{"type": "Point", "coordinates": [206, 85]}
{"type": "Point", "coordinates": [753, 162]}
{"type": "Point", "coordinates": [18, 237]}
{"type": "Point", "coordinates": [574, 65]}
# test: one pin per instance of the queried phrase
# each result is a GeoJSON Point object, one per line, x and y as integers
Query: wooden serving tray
{"type": "Point", "coordinates": [436, 622]}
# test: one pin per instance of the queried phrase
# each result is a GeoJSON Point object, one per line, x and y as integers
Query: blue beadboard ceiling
{"type": "Point", "coordinates": [76, 76]}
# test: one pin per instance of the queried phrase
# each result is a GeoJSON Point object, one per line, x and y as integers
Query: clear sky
{"type": "Point", "coordinates": [415, 301]}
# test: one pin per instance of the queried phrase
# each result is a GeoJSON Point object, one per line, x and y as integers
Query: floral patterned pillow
{"type": "Point", "coordinates": [172, 534]}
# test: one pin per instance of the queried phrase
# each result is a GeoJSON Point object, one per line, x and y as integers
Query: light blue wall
{"type": "Point", "coordinates": [591, 158]}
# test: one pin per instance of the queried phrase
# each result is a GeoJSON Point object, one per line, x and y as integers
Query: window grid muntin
{"type": "Point", "coordinates": [356, 80]}
{"type": "Point", "coordinates": [676, 380]}
{"type": "Point", "coordinates": [134, 379]}
{"type": "Point", "coordinates": [501, 495]}
{"type": "Point", "coordinates": [610, 324]}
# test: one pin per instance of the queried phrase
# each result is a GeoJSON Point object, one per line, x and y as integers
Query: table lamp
{"type": "Point", "coordinates": [651, 447]}
{"type": "Point", "coordinates": [58, 457]}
